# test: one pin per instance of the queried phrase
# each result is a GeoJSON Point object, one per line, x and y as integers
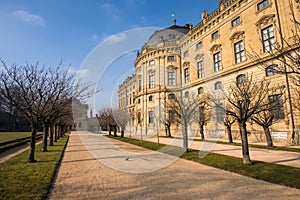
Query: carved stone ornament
{"type": "Point", "coordinates": [237, 35]}
{"type": "Point", "coordinates": [171, 67]}
{"type": "Point", "coordinates": [215, 47]}
{"type": "Point", "coordinates": [151, 71]}
{"type": "Point", "coordinates": [199, 56]}
{"type": "Point", "coordinates": [186, 64]}
{"type": "Point", "coordinates": [264, 20]}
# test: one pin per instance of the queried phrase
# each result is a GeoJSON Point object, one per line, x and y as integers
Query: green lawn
{"type": "Point", "coordinates": [278, 174]}
{"type": "Point", "coordinates": [22, 180]}
{"type": "Point", "coordinates": [9, 136]}
{"type": "Point", "coordinates": [10, 140]}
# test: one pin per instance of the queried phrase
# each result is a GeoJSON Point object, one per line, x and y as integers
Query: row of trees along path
{"type": "Point", "coordinates": [43, 96]}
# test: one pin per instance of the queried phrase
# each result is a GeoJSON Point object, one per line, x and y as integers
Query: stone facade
{"type": "Point", "coordinates": [185, 60]}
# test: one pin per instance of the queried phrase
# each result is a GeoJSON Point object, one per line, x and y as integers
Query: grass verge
{"type": "Point", "coordinates": [259, 146]}
{"type": "Point", "coordinates": [15, 139]}
{"type": "Point", "coordinates": [278, 174]}
{"type": "Point", "coordinates": [22, 180]}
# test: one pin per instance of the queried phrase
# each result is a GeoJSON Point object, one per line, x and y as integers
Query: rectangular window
{"type": "Point", "coordinates": [186, 75]}
{"type": "Point", "coordinates": [268, 38]}
{"type": "Point", "coordinates": [151, 62]}
{"type": "Point", "coordinates": [199, 45]}
{"type": "Point", "coordinates": [217, 61]}
{"type": "Point", "coordinates": [236, 21]}
{"type": "Point", "coordinates": [171, 79]}
{"type": "Point", "coordinates": [239, 52]}
{"type": "Point", "coordinates": [171, 96]}
{"type": "Point", "coordinates": [200, 69]}
{"type": "Point", "coordinates": [276, 106]}
{"type": "Point", "coordinates": [151, 117]}
{"type": "Point", "coordinates": [215, 35]}
{"type": "Point", "coordinates": [171, 58]}
{"type": "Point", "coordinates": [171, 116]}
{"type": "Point", "coordinates": [151, 81]}
{"type": "Point", "coordinates": [140, 85]}
{"type": "Point", "coordinates": [186, 54]}
{"type": "Point", "coordinates": [220, 114]}
{"type": "Point", "coordinates": [262, 5]}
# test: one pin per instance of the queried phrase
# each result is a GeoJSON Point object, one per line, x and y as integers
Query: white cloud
{"type": "Point", "coordinates": [111, 11]}
{"type": "Point", "coordinates": [29, 18]}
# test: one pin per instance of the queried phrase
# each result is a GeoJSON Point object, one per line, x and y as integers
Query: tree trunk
{"type": "Point", "coordinates": [115, 130]}
{"type": "Point", "coordinates": [45, 138]}
{"type": "Point", "coordinates": [32, 145]}
{"type": "Point", "coordinates": [202, 132]}
{"type": "Point", "coordinates": [51, 136]}
{"type": "Point", "coordinates": [245, 148]}
{"type": "Point", "coordinates": [61, 131]}
{"type": "Point", "coordinates": [55, 133]}
{"type": "Point", "coordinates": [109, 131]}
{"type": "Point", "coordinates": [169, 130]}
{"type": "Point", "coordinates": [229, 134]}
{"type": "Point", "coordinates": [185, 137]}
{"type": "Point", "coordinates": [268, 136]}
{"type": "Point", "coordinates": [122, 133]}
{"type": "Point", "coordinates": [58, 132]}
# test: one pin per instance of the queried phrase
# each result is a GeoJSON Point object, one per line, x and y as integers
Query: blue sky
{"type": "Point", "coordinates": [48, 31]}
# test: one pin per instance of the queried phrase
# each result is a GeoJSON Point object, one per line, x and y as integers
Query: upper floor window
{"type": "Point", "coordinates": [186, 75]}
{"type": "Point", "coordinates": [215, 35]}
{"type": "Point", "coordinates": [262, 4]}
{"type": "Point", "coordinates": [200, 90]}
{"type": "Point", "coordinates": [171, 79]}
{"type": "Point", "coordinates": [171, 96]}
{"type": "Point", "coordinates": [236, 21]}
{"type": "Point", "coordinates": [241, 78]}
{"type": "Point", "coordinates": [151, 81]}
{"type": "Point", "coordinates": [218, 85]}
{"type": "Point", "coordinates": [171, 58]}
{"type": "Point", "coordinates": [200, 69]}
{"type": "Point", "coordinates": [186, 54]}
{"type": "Point", "coordinates": [151, 62]}
{"type": "Point", "coordinates": [217, 61]}
{"type": "Point", "coordinates": [139, 101]}
{"type": "Point", "coordinates": [239, 52]}
{"type": "Point", "coordinates": [199, 45]}
{"type": "Point", "coordinates": [186, 94]}
{"type": "Point", "coordinates": [268, 38]}
{"type": "Point", "coordinates": [272, 70]}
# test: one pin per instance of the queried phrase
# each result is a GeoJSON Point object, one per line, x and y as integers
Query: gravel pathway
{"type": "Point", "coordinates": [82, 175]}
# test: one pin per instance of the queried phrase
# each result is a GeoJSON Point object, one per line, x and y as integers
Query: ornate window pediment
{"type": "Point", "coordinates": [264, 20]}
{"type": "Point", "coordinates": [151, 71]}
{"type": "Point", "coordinates": [199, 56]}
{"type": "Point", "coordinates": [237, 35]}
{"type": "Point", "coordinates": [186, 64]}
{"type": "Point", "coordinates": [215, 47]}
{"type": "Point", "coordinates": [171, 67]}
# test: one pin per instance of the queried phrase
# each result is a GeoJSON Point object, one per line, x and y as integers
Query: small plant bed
{"type": "Point", "coordinates": [278, 174]}
{"type": "Point", "coordinates": [22, 180]}
{"type": "Point", "coordinates": [15, 139]}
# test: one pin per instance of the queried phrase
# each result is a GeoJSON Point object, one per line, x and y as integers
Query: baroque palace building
{"type": "Point", "coordinates": [187, 60]}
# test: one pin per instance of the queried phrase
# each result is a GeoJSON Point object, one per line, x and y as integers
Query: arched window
{"type": "Point", "coordinates": [150, 98]}
{"type": "Point", "coordinates": [241, 78]}
{"type": "Point", "coordinates": [186, 94]}
{"type": "Point", "coordinates": [272, 70]}
{"type": "Point", "coordinates": [218, 85]}
{"type": "Point", "coordinates": [200, 90]}
{"type": "Point", "coordinates": [171, 96]}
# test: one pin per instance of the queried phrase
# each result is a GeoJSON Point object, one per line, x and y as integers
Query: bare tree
{"type": "Point", "coordinates": [122, 118]}
{"type": "Point", "coordinates": [106, 118]}
{"type": "Point", "coordinates": [244, 100]}
{"type": "Point", "coordinates": [267, 118]}
{"type": "Point", "coordinates": [202, 114]}
{"type": "Point", "coordinates": [184, 108]}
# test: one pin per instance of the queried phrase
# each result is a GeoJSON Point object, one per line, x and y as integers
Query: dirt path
{"type": "Point", "coordinates": [82, 176]}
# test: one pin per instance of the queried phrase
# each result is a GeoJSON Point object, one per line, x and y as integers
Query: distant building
{"type": "Point", "coordinates": [80, 115]}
